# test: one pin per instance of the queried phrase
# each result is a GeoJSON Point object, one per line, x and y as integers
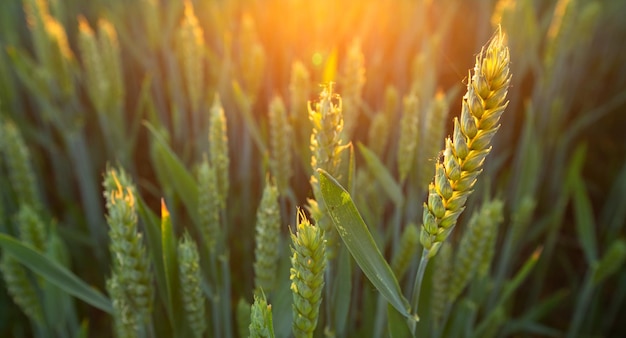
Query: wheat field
{"type": "Point", "coordinates": [290, 168]}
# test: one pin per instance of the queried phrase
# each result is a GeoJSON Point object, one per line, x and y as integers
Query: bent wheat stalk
{"type": "Point", "coordinates": [464, 154]}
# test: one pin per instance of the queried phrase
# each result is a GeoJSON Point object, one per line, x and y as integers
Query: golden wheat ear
{"type": "Point", "coordinates": [464, 154]}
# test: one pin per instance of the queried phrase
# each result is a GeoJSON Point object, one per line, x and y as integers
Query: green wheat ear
{"type": "Point", "coordinates": [111, 57]}
{"type": "Point", "coordinates": [261, 323]}
{"type": "Point", "coordinates": [409, 133]}
{"type": "Point", "coordinates": [208, 204]}
{"type": "Point", "coordinates": [218, 145]}
{"type": "Point", "coordinates": [21, 288]}
{"type": "Point", "coordinates": [243, 318]}
{"type": "Point", "coordinates": [308, 262]}
{"type": "Point", "coordinates": [352, 84]}
{"type": "Point", "coordinates": [464, 154]}
{"type": "Point", "coordinates": [281, 134]}
{"type": "Point", "coordinates": [475, 246]}
{"type": "Point", "coordinates": [267, 239]}
{"type": "Point", "coordinates": [18, 162]}
{"type": "Point", "coordinates": [442, 273]}
{"type": "Point", "coordinates": [431, 137]}
{"type": "Point", "coordinates": [131, 280]}
{"type": "Point", "coordinates": [190, 285]}
{"type": "Point", "coordinates": [326, 148]}
{"type": "Point", "coordinates": [191, 48]}
{"type": "Point", "coordinates": [409, 242]}
{"type": "Point", "coordinates": [32, 229]}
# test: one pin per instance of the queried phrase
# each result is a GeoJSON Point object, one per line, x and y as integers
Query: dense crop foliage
{"type": "Point", "coordinates": [285, 168]}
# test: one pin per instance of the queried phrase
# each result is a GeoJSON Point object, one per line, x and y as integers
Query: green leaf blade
{"type": "Point", "coordinates": [382, 174]}
{"type": "Point", "coordinates": [54, 273]}
{"type": "Point", "coordinates": [360, 243]}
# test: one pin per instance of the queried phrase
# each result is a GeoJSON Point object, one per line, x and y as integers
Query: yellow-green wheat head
{"type": "Point", "coordinates": [464, 154]}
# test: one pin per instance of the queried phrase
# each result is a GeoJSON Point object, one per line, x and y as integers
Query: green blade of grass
{"type": "Point", "coordinates": [388, 183]}
{"type": "Point", "coordinates": [181, 180]}
{"type": "Point", "coordinates": [583, 211]}
{"type": "Point", "coordinates": [153, 235]}
{"type": "Point", "coordinates": [168, 245]}
{"type": "Point", "coordinates": [360, 243]}
{"type": "Point", "coordinates": [54, 273]}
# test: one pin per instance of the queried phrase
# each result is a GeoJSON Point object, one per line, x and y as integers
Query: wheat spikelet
{"type": "Point", "coordinates": [20, 169]}
{"type": "Point", "coordinates": [299, 91]}
{"type": "Point", "coordinates": [111, 58]}
{"type": "Point", "coordinates": [61, 56]}
{"type": "Point", "coordinates": [431, 137]}
{"type": "Point", "coordinates": [190, 285]}
{"type": "Point", "coordinates": [409, 133]}
{"type": "Point", "coordinates": [407, 250]}
{"type": "Point", "coordinates": [97, 81]}
{"type": "Point", "coordinates": [190, 47]}
{"type": "Point", "coordinates": [32, 229]}
{"type": "Point", "coordinates": [280, 161]}
{"type": "Point", "coordinates": [125, 321]}
{"type": "Point", "coordinates": [441, 281]}
{"type": "Point", "coordinates": [131, 266]}
{"type": "Point", "coordinates": [378, 134]}
{"type": "Point", "coordinates": [456, 173]}
{"type": "Point", "coordinates": [37, 12]}
{"type": "Point", "coordinates": [261, 323]}
{"type": "Point", "coordinates": [326, 148]}
{"type": "Point", "coordinates": [243, 318]}
{"type": "Point", "coordinates": [267, 239]}
{"type": "Point", "coordinates": [308, 262]}
{"type": "Point", "coordinates": [252, 57]}
{"type": "Point", "coordinates": [208, 204]}
{"type": "Point", "coordinates": [20, 288]}
{"type": "Point", "coordinates": [474, 246]}
{"type": "Point", "coordinates": [218, 146]}
{"type": "Point", "coordinates": [352, 87]}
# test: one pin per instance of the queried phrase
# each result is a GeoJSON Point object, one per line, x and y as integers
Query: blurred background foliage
{"type": "Point", "coordinates": [561, 149]}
